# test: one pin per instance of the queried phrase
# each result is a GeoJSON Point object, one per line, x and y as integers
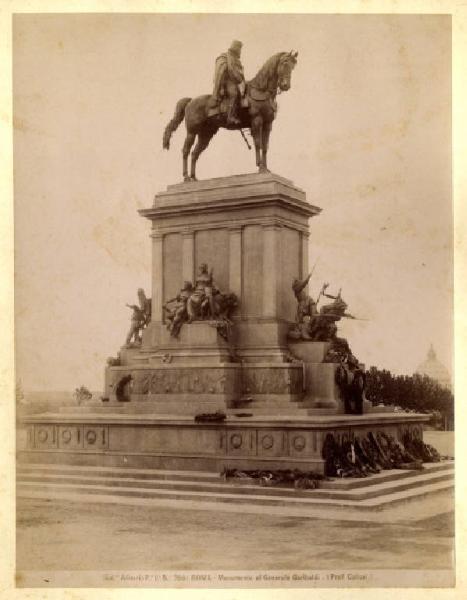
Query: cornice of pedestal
{"type": "Point", "coordinates": [274, 224]}
{"type": "Point", "coordinates": [232, 194]}
{"type": "Point", "coordinates": [233, 226]}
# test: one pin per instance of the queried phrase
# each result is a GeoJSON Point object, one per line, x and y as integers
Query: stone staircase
{"type": "Point", "coordinates": [349, 499]}
{"type": "Point", "coordinates": [270, 406]}
{"type": "Point", "coordinates": [179, 407]}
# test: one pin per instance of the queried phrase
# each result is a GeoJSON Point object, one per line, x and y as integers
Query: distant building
{"type": "Point", "coordinates": [432, 367]}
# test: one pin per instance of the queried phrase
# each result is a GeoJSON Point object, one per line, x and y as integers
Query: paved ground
{"type": "Point", "coordinates": [55, 535]}
{"type": "Point", "coordinates": [69, 536]}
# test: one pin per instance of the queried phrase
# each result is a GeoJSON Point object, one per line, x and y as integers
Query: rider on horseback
{"type": "Point", "coordinates": [203, 117]}
{"type": "Point", "coordinates": [229, 80]}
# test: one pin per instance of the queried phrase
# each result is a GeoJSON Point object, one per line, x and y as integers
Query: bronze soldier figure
{"type": "Point", "coordinates": [138, 320]}
{"type": "Point", "coordinates": [306, 310]}
{"type": "Point", "coordinates": [229, 80]}
{"type": "Point", "coordinates": [145, 305]}
{"type": "Point", "coordinates": [177, 313]}
{"type": "Point", "coordinates": [324, 326]}
{"type": "Point", "coordinates": [202, 300]}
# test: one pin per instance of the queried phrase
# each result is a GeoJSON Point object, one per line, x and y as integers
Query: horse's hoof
{"type": "Point", "coordinates": [193, 178]}
{"type": "Point", "coordinates": [264, 170]}
{"type": "Point", "coordinates": [186, 178]}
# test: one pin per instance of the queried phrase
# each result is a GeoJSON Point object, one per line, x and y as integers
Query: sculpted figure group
{"type": "Point", "coordinates": [320, 325]}
{"type": "Point", "coordinates": [201, 302]}
{"type": "Point", "coordinates": [317, 325]}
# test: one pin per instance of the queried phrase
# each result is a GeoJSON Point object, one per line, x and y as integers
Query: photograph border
{"type": "Point", "coordinates": [458, 10]}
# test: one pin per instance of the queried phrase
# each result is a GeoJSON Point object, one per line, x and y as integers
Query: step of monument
{"type": "Point", "coordinates": [98, 408]}
{"type": "Point", "coordinates": [157, 408]}
{"type": "Point", "coordinates": [349, 483]}
{"type": "Point", "coordinates": [144, 481]}
{"type": "Point", "coordinates": [195, 407]}
{"type": "Point", "coordinates": [299, 505]}
{"type": "Point", "coordinates": [256, 408]}
{"type": "Point", "coordinates": [271, 406]}
{"type": "Point", "coordinates": [371, 491]}
{"type": "Point", "coordinates": [26, 470]}
{"type": "Point", "coordinates": [405, 509]}
{"type": "Point", "coordinates": [269, 401]}
{"type": "Point", "coordinates": [47, 469]}
{"type": "Point", "coordinates": [290, 409]}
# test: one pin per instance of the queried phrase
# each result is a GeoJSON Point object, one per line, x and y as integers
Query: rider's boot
{"type": "Point", "coordinates": [232, 113]}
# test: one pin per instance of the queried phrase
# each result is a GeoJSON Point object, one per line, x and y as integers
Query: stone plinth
{"type": "Point", "coordinates": [174, 388]}
{"type": "Point", "coordinates": [191, 388]}
{"type": "Point", "coordinates": [321, 390]}
{"type": "Point", "coordinates": [253, 231]}
{"type": "Point", "coordinates": [146, 441]}
{"type": "Point", "coordinates": [309, 352]}
{"type": "Point", "coordinates": [198, 342]}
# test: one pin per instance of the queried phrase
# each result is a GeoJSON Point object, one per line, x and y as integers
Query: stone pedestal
{"type": "Point", "coordinates": [253, 231]}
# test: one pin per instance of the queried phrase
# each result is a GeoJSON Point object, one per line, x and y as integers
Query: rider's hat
{"type": "Point", "coordinates": [236, 46]}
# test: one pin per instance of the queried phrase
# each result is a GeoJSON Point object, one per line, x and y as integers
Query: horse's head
{"type": "Point", "coordinates": [284, 70]}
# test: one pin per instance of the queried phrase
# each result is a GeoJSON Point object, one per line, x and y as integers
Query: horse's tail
{"type": "Point", "coordinates": [174, 122]}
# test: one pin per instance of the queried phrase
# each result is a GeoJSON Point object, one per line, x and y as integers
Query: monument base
{"type": "Point", "coordinates": [279, 397]}
{"type": "Point", "coordinates": [198, 342]}
{"type": "Point", "coordinates": [178, 442]}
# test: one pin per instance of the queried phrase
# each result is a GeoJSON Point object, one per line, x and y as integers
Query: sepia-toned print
{"type": "Point", "coordinates": [234, 328]}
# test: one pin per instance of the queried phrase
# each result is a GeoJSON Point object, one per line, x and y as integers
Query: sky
{"type": "Point", "coordinates": [365, 130]}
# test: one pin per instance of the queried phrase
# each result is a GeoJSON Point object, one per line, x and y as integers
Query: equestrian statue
{"type": "Point", "coordinates": [234, 104]}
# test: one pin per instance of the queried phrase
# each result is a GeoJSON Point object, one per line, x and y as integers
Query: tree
{"type": "Point", "coordinates": [82, 394]}
{"type": "Point", "coordinates": [415, 392]}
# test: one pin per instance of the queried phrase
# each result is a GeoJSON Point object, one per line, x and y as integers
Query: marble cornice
{"type": "Point", "coordinates": [230, 225]}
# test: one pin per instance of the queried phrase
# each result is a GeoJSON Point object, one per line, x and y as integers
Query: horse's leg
{"type": "Point", "coordinates": [204, 137]}
{"type": "Point", "coordinates": [256, 132]}
{"type": "Point", "coordinates": [189, 140]}
{"type": "Point", "coordinates": [266, 130]}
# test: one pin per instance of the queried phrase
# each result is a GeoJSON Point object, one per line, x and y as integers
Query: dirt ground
{"type": "Point", "coordinates": [62, 535]}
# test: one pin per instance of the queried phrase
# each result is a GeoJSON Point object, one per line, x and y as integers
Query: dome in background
{"type": "Point", "coordinates": [433, 368]}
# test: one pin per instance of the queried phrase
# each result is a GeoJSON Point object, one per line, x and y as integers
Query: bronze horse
{"type": "Point", "coordinates": [273, 78]}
